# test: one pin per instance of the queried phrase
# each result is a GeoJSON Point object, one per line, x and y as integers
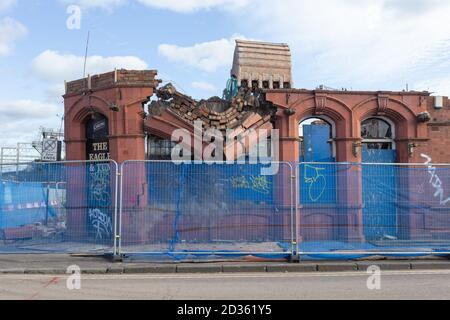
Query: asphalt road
{"type": "Point", "coordinates": [343, 285]}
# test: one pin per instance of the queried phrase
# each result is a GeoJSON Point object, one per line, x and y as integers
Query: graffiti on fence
{"type": "Point", "coordinates": [435, 181]}
{"type": "Point", "coordinates": [100, 175]}
{"type": "Point", "coordinates": [258, 184]}
{"type": "Point", "coordinates": [99, 200]}
{"type": "Point", "coordinates": [374, 153]}
{"type": "Point", "coordinates": [101, 223]}
{"type": "Point", "coordinates": [316, 181]}
{"type": "Point", "coordinates": [376, 196]}
{"type": "Point", "coordinates": [420, 188]}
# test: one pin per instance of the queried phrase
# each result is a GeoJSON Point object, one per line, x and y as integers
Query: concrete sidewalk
{"type": "Point", "coordinates": [58, 264]}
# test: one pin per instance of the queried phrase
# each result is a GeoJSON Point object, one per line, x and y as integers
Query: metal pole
{"type": "Point", "coordinates": [1, 163]}
{"type": "Point", "coordinates": [297, 203]}
{"type": "Point", "coordinates": [47, 198]}
{"type": "Point", "coordinates": [294, 215]}
{"type": "Point", "coordinates": [116, 195]}
{"type": "Point", "coordinates": [291, 192]}
{"type": "Point", "coordinates": [122, 166]}
{"type": "Point", "coordinates": [47, 203]}
{"type": "Point", "coordinates": [17, 163]}
{"type": "Point", "coordinates": [85, 55]}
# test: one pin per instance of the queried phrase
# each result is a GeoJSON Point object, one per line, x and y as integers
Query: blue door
{"type": "Point", "coordinates": [317, 181]}
{"type": "Point", "coordinates": [379, 194]}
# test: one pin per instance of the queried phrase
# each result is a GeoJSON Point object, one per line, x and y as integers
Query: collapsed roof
{"type": "Point", "coordinates": [247, 110]}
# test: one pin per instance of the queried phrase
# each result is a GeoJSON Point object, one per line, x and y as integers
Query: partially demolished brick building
{"type": "Point", "coordinates": [112, 115]}
{"type": "Point", "coordinates": [263, 99]}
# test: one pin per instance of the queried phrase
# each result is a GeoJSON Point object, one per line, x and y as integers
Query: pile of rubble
{"type": "Point", "coordinates": [53, 230]}
{"type": "Point", "coordinates": [246, 110]}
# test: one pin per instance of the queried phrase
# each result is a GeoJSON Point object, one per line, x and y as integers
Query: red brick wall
{"type": "Point", "coordinates": [438, 147]}
{"type": "Point", "coordinates": [126, 89]}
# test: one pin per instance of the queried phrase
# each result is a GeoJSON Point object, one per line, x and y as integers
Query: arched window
{"type": "Point", "coordinates": [377, 134]}
{"type": "Point", "coordinates": [316, 140]}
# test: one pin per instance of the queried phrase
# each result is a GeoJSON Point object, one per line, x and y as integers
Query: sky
{"type": "Point", "coordinates": [353, 44]}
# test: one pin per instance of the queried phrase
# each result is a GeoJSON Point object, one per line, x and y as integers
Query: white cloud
{"type": "Point", "coordinates": [413, 6]}
{"type": "Point", "coordinates": [27, 108]}
{"type": "Point", "coordinates": [54, 67]}
{"type": "Point", "coordinates": [103, 4]}
{"type": "Point", "coordinates": [440, 86]}
{"type": "Point", "coordinates": [205, 86]}
{"type": "Point", "coordinates": [180, 6]}
{"type": "Point", "coordinates": [21, 120]}
{"type": "Point", "coordinates": [55, 91]}
{"type": "Point", "coordinates": [187, 6]}
{"type": "Point", "coordinates": [206, 56]}
{"type": "Point", "coordinates": [6, 4]}
{"type": "Point", "coordinates": [10, 32]}
{"type": "Point", "coordinates": [372, 44]}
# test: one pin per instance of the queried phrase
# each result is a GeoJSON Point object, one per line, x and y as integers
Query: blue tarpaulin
{"type": "Point", "coordinates": [23, 203]}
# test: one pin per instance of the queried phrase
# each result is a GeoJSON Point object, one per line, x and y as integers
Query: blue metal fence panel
{"type": "Point", "coordinates": [57, 207]}
{"type": "Point", "coordinates": [318, 183]}
{"type": "Point", "coordinates": [381, 209]}
{"type": "Point", "coordinates": [245, 184]}
{"type": "Point", "coordinates": [100, 205]}
{"type": "Point", "coordinates": [23, 203]}
{"type": "Point", "coordinates": [208, 210]}
{"type": "Point", "coordinates": [201, 211]}
{"type": "Point", "coordinates": [379, 194]}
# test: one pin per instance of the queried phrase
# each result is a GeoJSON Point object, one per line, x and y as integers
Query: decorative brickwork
{"type": "Point", "coordinates": [117, 78]}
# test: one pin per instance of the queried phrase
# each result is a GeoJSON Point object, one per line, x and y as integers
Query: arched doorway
{"type": "Point", "coordinates": [97, 138]}
{"type": "Point", "coordinates": [379, 179]}
{"type": "Point", "coordinates": [317, 157]}
{"type": "Point", "coordinates": [98, 177]}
